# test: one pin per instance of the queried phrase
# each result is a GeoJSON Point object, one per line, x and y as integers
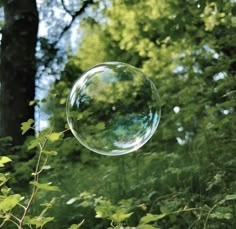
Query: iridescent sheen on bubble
{"type": "Point", "coordinates": [113, 108]}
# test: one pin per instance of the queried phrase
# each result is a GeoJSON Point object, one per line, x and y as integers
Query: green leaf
{"type": "Point", "coordinates": [62, 101]}
{"type": "Point", "coordinates": [5, 191]}
{"type": "Point", "coordinates": [25, 126]}
{"type": "Point", "coordinates": [150, 218]}
{"type": "Point", "coordinates": [54, 137]}
{"type": "Point", "coordinates": [100, 126]}
{"type": "Point", "coordinates": [34, 143]}
{"type": "Point", "coordinates": [231, 197]}
{"type": "Point", "coordinates": [38, 140]}
{"type": "Point", "coordinates": [9, 202]}
{"type": "Point", "coordinates": [4, 160]}
{"type": "Point", "coordinates": [50, 153]}
{"type": "Point", "coordinates": [120, 216]}
{"type": "Point", "coordinates": [222, 213]}
{"type": "Point", "coordinates": [104, 210]}
{"type": "Point", "coordinates": [76, 226]}
{"type": "Point", "coordinates": [2, 177]}
{"type": "Point", "coordinates": [79, 116]}
{"type": "Point", "coordinates": [45, 186]}
{"type": "Point", "coordinates": [38, 221]}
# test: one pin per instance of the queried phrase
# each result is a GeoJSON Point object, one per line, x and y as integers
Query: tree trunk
{"type": "Point", "coordinates": [18, 66]}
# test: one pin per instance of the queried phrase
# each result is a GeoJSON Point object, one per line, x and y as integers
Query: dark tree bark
{"type": "Point", "coordinates": [18, 66]}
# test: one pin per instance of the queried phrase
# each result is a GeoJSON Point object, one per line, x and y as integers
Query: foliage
{"type": "Point", "coordinates": [14, 208]}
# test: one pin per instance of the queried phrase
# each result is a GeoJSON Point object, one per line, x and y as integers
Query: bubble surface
{"type": "Point", "coordinates": [113, 108]}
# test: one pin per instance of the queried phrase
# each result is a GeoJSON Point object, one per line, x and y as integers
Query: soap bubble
{"type": "Point", "coordinates": [113, 108]}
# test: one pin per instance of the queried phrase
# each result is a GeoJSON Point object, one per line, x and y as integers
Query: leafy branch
{"type": "Point", "coordinates": [11, 201]}
{"type": "Point", "coordinates": [53, 45]}
{"type": "Point", "coordinates": [73, 15]}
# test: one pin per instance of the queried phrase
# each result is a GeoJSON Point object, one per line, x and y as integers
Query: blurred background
{"type": "Point", "coordinates": [186, 173]}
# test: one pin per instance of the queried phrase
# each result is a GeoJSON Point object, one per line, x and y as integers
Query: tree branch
{"type": "Point", "coordinates": [65, 8]}
{"type": "Point", "coordinates": [74, 16]}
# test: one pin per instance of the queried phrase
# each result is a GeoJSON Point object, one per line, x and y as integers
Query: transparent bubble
{"type": "Point", "coordinates": [113, 108]}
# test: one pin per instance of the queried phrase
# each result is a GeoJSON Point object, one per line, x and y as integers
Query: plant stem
{"type": "Point", "coordinates": [14, 217]}
{"type": "Point", "coordinates": [210, 211]}
{"type": "Point", "coordinates": [21, 206]}
{"type": "Point", "coordinates": [35, 189]}
{"type": "Point", "coordinates": [44, 163]}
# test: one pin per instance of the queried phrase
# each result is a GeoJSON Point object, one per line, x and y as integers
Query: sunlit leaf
{"type": "Point", "coordinates": [63, 101]}
{"type": "Point", "coordinates": [104, 210]}
{"type": "Point", "coordinates": [4, 160]}
{"type": "Point", "coordinates": [2, 177]}
{"type": "Point", "coordinates": [9, 202]}
{"type": "Point", "coordinates": [120, 216]}
{"type": "Point", "coordinates": [54, 137]}
{"type": "Point", "coordinates": [25, 126]}
{"type": "Point", "coordinates": [151, 218]}
{"type": "Point", "coordinates": [71, 201]}
{"type": "Point", "coordinates": [46, 167]}
{"type": "Point", "coordinates": [38, 221]}
{"type": "Point", "coordinates": [76, 226]}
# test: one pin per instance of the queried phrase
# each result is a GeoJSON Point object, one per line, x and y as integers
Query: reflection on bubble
{"type": "Point", "coordinates": [113, 109]}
